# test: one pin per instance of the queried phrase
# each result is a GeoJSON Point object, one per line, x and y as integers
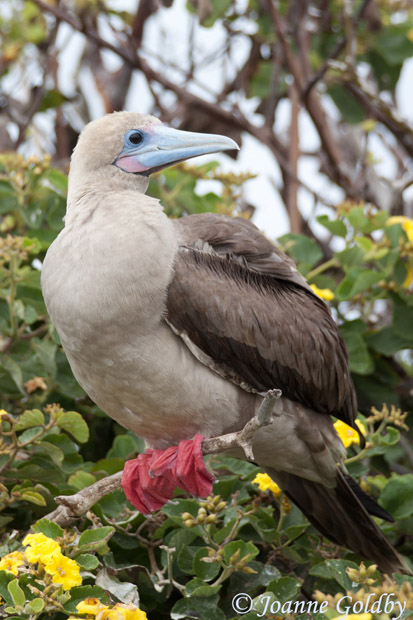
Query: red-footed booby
{"type": "Point", "coordinates": [175, 328]}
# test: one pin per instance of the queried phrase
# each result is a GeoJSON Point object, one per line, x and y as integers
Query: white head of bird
{"type": "Point", "coordinates": [126, 147]}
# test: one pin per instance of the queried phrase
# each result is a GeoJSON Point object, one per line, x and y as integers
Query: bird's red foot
{"type": "Point", "coordinates": [149, 480]}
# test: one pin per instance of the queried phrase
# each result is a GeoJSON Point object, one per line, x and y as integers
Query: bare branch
{"type": "Point", "coordinates": [74, 506]}
{"type": "Point", "coordinates": [294, 154]}
{"type": "Point", "coordinates": [381, 111]}
{"type": "Point", "coordinates": [313, 104]}
{"type": "Point", "coordinates": [336, 51]}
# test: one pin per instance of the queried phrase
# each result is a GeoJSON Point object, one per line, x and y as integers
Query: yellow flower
{"type": "Point", "coordinates": [122, 612]}
{"type": "Point", "coordinates": [347, 434]}
{"type": "Point", "coordinates": [357, 617]}
{"type": "Point", "coordinates": [40, 547]}
{"type": "Point", "coordinates": [3, 412]}
{"type": "Point", "coordinates": [93, 607]}
{"type": "Point", "coordinates": [265, 482]}
{"type": "Point", "coordinates": [90, 606]}
{"type": "Point", "coordinates": [11, 562]}
{"type": "Point", "coordinates": [324, 293]}
{"type": "Point", "coordinates": [406, 222]}
{"type": "Point", "coordinates": [64, 571]}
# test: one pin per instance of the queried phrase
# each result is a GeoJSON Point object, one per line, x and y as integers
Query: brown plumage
{"type": "Point", "coordinates": [243, 302]}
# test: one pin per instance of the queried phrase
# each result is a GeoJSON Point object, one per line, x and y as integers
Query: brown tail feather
{"type": "Point", "coordinates": [341, 517]}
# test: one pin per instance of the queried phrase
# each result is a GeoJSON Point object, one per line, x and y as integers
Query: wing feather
{"type": "Point", "coordinates": [241, 301]}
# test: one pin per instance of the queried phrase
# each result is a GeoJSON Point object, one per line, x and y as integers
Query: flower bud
{"type": "Point", "coordinates": [211, 518]}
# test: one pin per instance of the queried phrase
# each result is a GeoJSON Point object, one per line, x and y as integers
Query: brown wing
{"type": "Point", "coordinates": [244, 305]}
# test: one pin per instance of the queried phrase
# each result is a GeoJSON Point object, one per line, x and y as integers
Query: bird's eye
{"type": "Point", "coordinates": [136, 138]}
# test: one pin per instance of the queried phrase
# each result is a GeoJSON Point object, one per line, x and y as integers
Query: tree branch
{"type": "Point", "coordinates": [312, 103]}
{"type": "Point", "coordinates": [336, 52]}
{"type": "Point", "coordinates": [73, 506]}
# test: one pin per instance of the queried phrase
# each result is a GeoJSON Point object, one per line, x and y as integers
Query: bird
{"type": "Point", "coordinates": [177, 328]}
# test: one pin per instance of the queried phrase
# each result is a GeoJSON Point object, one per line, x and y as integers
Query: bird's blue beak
{"type": "Point", "coordinates": [155, 147]}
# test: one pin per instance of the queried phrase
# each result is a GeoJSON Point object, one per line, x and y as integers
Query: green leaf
{"type": "Point", "coordinates": [351, 110]}
{"type": "Point", "coordinates": [351, 256]}
{"type": "Point", "coordinates": [125, 591]}
{"type": "Point", "coordinates": [73, 423]}
{"type": "Point", "coordinates": [235, 466]}
{"type": "Point", "coordinates": [110, 466]}
{"type": "Point", "coordinates": [5, 578]}
{"type": "Point", "coordinates": [245, 548]}
{"type": "Point", "coordinates": [35, 606]}
{"type": "Point", "coordinates": [34, 498]}
{"type": "Point", "coordinates": [357, 218]}
{"type": "Point", "coordinates": [302, 249]}
{"type": "Point", "coordinates": [360, 360]}
{"type": "Point", "coordinates": [179, 506]}
{"type": "Point", "coordinates": [17, 593]}
{"type": "Point", "coordinates": [58, 180]}
{"type": "Point", "coordinates": [397, 496]}
{"type": "Point", "coordinates": [285, 588]}
{"type": "Point", "coordinates": [197, 607]}
{"type": "Point", "coordinates": [31, 417]}
{"type": "Point", "coordinates": [81, 479]}
{"type": "Point", "coordinates": [52, 99]}
{"type": "Point", "coordinates": [219, 8]}
{"type": "Point", "coordinates": [359, 282]}
{"type": "Point", "coordinates": [393, 45]}
{"type": "Point", "coordinates": [48, 528]}
{"type": "Point", "coordinates": [336, 227]}
{"type": "Point", "coordinates": [402, 317]}
{"type": "Point", "coordinates": [51, 450]}
{"type": "Point", "coordinates": [320, 570]}
{"type": "Point", "coordinates": [46, 351]}
{"type": "Point", "coordinates": [197, 587]}
{"type": "Point", "coordinates": [94, 538]}
{"type": "Point", "coordinates": [13, 370]}
{"type": "Point", "coordinates": [391, 438]}
{"type": "Point", "coordinates": [337, 570]}
{"type": "Point", "coordinates": [387, 341]}
{"type": "Point", "coordinates": [87, 561]}
{"type": "Point", "coordinates": [8, 197]}
{"type": "Point", "coordinates": [180, 539]}
{"type": "Point", "coordinates": [205, 570]}
{"type": "Point", "coordinates": [261, 82]}
{"type": "Point", "coordinates": [185, 559]}
{"type": "Point", "coordinates": [124, 446]}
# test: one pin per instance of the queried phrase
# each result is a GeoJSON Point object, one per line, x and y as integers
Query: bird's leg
{"type": "Point", "coordinates": [149, 480]}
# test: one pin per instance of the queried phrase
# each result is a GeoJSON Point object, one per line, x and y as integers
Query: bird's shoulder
{"type": "Point", "coordinates": [240, 242]}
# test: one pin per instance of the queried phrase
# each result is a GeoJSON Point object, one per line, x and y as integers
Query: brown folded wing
{"type": "Point", "coordinates": [243, 304]}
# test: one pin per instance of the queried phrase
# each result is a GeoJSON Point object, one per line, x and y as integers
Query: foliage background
{"type": "Point", "coordinates": [335, 64]}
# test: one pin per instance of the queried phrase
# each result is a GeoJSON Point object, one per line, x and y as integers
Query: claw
{"type": "Point", "coordinates": [149, 480]}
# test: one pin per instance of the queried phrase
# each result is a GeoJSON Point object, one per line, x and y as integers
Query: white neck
{"type": "Point", "coordinates": [83, 182]}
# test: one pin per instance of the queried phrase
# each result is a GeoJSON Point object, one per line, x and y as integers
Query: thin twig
{"type": "Point", "coordinates": [335, 53]}
{"type": "Point", "coordinates": [312, 103]}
